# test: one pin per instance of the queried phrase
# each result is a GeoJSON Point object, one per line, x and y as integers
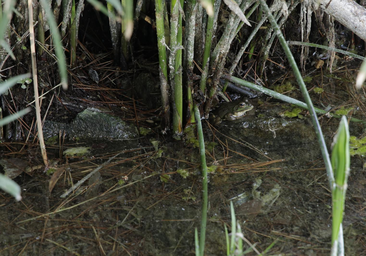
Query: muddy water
{"type": "Point", "coordinates": [147, 200]}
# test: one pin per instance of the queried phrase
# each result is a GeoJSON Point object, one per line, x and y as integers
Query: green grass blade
{"type": "Point", "coordinates": [204, 180]}
{"type": "Point", "coordinates": [117, 6]}
{"type": "Point", "coordinates": [7, 48]}
{"type": "Point", "coordinates": [300, 81]}
{"type": "Point", "coordinates": [61, 62]}
{"type": "Point", "coordinates": [6, 17]}
{"type": "Point", "coordinates": [233, 228]}
{"type": "Point", "coordinates": [196, 242]}
{"type": "Point", "coordinates": [127, 17]}
{"type": "Point", "coordinates": [340, 164]}
{"type": "Point", "coordinates": [11, 118]}
{"type": "Point", "coordinates": [100, 7]}
{"type": "Point", "coordinates": [227, 241]}
{"type": "Point", "coordinates": [10, 187]}
{"type": "Point", "coordinates": [4, 86]}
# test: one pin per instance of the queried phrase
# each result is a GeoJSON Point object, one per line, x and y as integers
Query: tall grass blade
{"type": "Point", "coordinates": [127, 19]}
{"type": "Point", "coordinates": [227, 241]}
{"type": "Point", "coordinates": [6, 15]}
{"type": "Point", "coordinates": [4, 86]}
{"type": "Point", "coordinates": [11, 118]}
{"type": "Point", "coordinates": [300, 81]}
{"type": "Point", "coordinates": [7, 48]}
{"type": "Point", "coordinates": [58, 45]}
{"type": "Point", "coordinates": [100, 7]}
{"type": "Point", "coordinates": [204, 180]}
{"type": "Point", "coordinates": [117, 6]}
{"type": "Point", "coordinates": [233, 228]}
{"type": "Point", "coordinates": [340, 165]}
{"type": "Point", "coordinates": [196, 242]}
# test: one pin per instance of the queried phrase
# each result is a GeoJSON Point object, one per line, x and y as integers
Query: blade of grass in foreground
{"type": "Point", "coordinates": [4, 86]}
{"type": "Point", "coordinates": [9, 186]}
{"type": "Point", "coordinates": [340, 165]}
{"type": "Point", "coordinates": [13, 117]}
{"type": "Point", "coordinates": [204, 181]}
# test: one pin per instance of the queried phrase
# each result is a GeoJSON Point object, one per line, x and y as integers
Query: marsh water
{"type": "Point", "coordinates": [146, 197]}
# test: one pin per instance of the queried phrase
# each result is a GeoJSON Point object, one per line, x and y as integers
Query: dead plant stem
{"type": "Point", "coordinates": [35, 84]}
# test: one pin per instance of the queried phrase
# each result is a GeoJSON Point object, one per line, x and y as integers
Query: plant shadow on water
{"type": "Point", "coordinates": [147, 201]}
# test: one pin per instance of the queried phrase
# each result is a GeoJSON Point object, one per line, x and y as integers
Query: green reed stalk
{"type": "Point", "coordinates": [127, 19]}
{"type": "Point", "coordinates": [208, 42]}
{"type": "Point", "coordinates": [190, 31]}
{"type": "Point", "coordinates": [124, 35]}
{"type": "Point", "coordinates": [74, 29]}
{"type": "Point", "coordinates": [163, 68]}
{"type": "Point", "coordinates": [73, 35]}
{"type": "Point", "coordinates": [114, 28]}
{"type": "Point", "coordinates": [341, 167]}
{"type": "Point", "coordinates": [178, 79]}
{"type": "Point", "coordinates": [204, 181]}
{"type": "Point", "coordinates": [175, 64]}
{"type": "Point", "coordinates": [41, 38]}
